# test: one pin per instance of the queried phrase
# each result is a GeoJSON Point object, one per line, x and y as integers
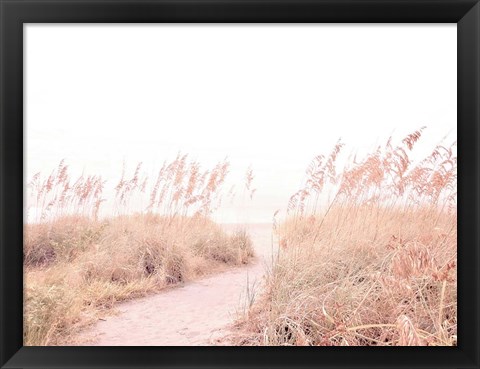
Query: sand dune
{"type": "Point", "coordinates": [197, 313]}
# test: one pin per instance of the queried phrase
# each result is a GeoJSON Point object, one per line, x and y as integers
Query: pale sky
{"type": "Point", "coordinates": [269, 96]}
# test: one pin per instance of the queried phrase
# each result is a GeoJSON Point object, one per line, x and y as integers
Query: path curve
{"type": "Point", "coordinates": [197, 313]}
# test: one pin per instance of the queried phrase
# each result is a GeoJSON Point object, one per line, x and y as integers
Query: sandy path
{"type": "Point", "coordinates": [197, 313]}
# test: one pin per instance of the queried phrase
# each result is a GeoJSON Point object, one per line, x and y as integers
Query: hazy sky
{"type": "Point", "coordinates": [269, 96]}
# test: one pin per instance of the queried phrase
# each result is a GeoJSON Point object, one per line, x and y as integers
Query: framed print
{"type": "Point", "coordinates": [216, 183]}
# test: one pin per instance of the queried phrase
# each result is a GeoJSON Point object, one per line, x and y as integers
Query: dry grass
{"type": "Point", "coordinates": [375, 265]}
{"type": "Point", "coordinates": [77, 265]}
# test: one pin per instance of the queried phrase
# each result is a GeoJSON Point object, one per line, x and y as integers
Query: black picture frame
{"type": "Point", "coordinates": [14, 13]}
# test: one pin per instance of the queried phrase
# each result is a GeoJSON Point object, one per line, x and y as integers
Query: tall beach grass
{"type": "Point", "coordinates": [77, 265]}
{"type": "Point", "coordinates": [367, 254]}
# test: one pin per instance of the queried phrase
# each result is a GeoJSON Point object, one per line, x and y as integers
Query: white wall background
{"type": "Point", "coordinates": [270, 96]}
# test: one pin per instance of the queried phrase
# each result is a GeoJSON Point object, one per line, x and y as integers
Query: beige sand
{"type": "Point", "coordinates": [196, 313]}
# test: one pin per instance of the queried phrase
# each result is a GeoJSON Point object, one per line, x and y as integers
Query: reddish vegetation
{"type": "Point", "coordinates": [181, 188]}
{"type": "Point", "coordinates": [78, 264]}
{"type": "Point", "coordinates": [368, 254]}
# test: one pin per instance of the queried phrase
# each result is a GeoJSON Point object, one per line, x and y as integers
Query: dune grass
{"type": "Point", "coordinates": [374, 265]}
{"type": "Point", "coordinates": [77, 265]}
{"type": "Point", "coordinates": [75, 268]}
